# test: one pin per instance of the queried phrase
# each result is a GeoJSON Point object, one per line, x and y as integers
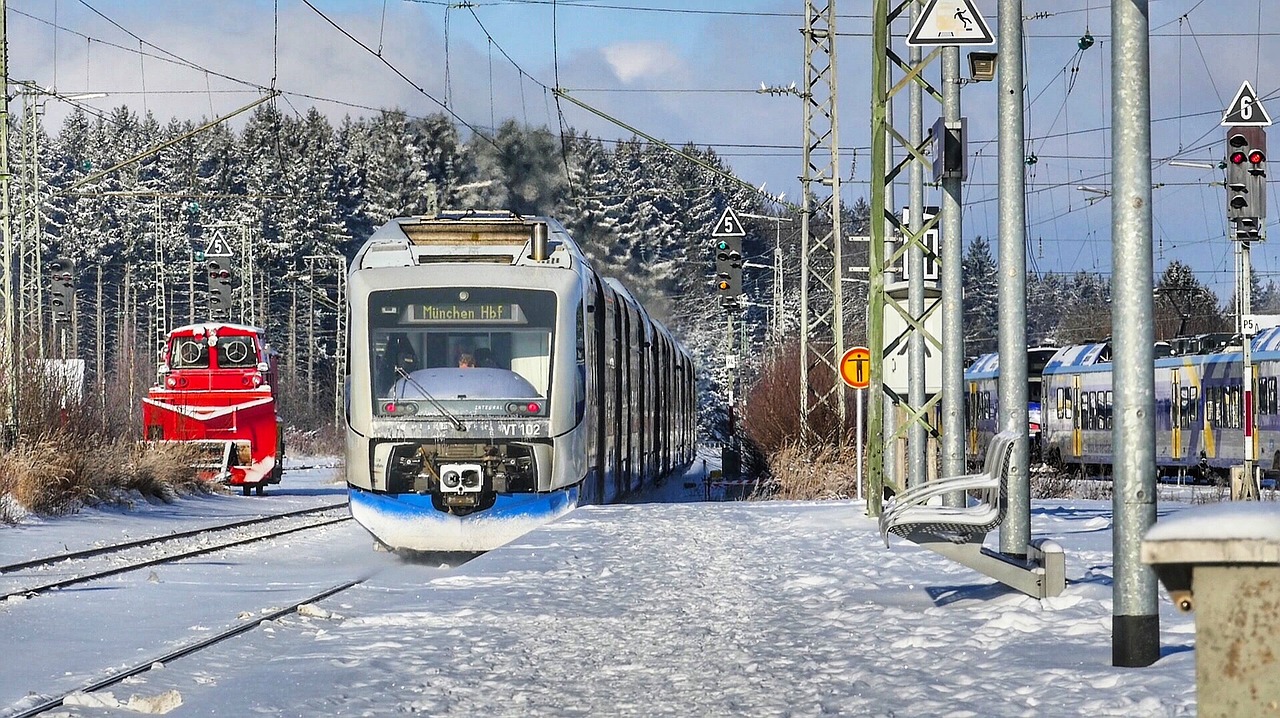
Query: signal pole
{"type": "Point", "coordinates": [727, 238]}
{"type": "Point", "coordinates": [1247, 213]}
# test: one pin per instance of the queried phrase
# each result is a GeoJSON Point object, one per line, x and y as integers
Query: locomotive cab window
{"type": "Point", "coordinates": [454, 343]}
{"type": "Point", "coordinates": [189, 354]}
{"type": "Point", "coordinates": [236, 353]}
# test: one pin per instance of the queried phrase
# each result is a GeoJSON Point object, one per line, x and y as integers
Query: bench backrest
{"type": "Point", "coordinates": [998, 464]}
{"type": "Point", "coordinates": [994, 460]}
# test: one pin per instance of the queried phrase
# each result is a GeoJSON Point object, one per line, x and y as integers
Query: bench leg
{"type": "Point", "coordinates": [1041, 575]}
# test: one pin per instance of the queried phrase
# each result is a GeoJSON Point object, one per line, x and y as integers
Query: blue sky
{"type": "Point", "coordinates": [688, 71]}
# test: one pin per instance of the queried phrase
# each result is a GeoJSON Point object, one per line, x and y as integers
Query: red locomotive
{"type": "Point", "coordinates": [216, 390]}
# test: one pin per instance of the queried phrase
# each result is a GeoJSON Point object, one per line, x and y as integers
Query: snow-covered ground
{"type": "Point", "coordinates": [648, 609]}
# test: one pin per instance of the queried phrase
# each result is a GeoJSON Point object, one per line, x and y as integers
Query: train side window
{"type": "Point", "coordinates": [1060, 399]}
{"type": "Point", "coordinates": [1192, 413]}
{"type": "Point", "coordinates": [1090, 413]}
{"type": "Point", "coordinates": [1107, 410]}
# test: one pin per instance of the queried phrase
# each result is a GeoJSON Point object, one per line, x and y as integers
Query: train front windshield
{"type": "Point", "coordinates": [461, 346]}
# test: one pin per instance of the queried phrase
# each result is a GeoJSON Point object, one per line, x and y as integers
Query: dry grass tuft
{"type": "Point", "coordinates": [57, 473]}
{"type": "Point", "coordinates": [799, 474]}
{"type": "Point", "coordinates": [327, 440]}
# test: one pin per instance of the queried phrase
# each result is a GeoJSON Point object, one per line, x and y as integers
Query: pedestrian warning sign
{"type": "Point", "coordinates": [855, 367]}
{"type": "Point", "coordinates": [1246, 110]}
{"type": "Point", "coordinates": [950, 22]}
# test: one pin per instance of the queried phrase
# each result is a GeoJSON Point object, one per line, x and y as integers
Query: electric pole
{"type": "Point", "coordinates": [9, 340]}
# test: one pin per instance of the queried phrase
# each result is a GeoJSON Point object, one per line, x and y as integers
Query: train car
{"type": "Point", "coordinates": [497, 382]}
{"type": "Point", "coordinates": [1201, 409]}
{"type": "Point", "coordinates": [981, 380]}
{"type": "Point", "coordinates": [216, 390]}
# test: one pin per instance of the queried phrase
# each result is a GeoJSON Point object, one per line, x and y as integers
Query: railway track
{"type": "Point", "coordinates": [34, 577]}
{"type": "Point", "coordinates": [45, 704]}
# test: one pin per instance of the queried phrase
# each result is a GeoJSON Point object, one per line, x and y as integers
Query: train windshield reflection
{"type": "Point", "coordinates": [473, 343]}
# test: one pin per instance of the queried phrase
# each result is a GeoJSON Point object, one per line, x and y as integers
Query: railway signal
{"type": "Point", "coordinates": [728, 267]}
{"type": "Point", "coordinates": [219, 271]}
{"type": "Point", "coordinates": [1247, 180]}
{"type": "Point", "coordinates": [62, 295]}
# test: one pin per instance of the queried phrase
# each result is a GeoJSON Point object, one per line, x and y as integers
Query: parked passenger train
{"type": "Point", "coordinates": [1201, 409]}
{"type": "Point", "coordinates": [981, 419]}
{"type": "Point", "coordinates": [497, 382]}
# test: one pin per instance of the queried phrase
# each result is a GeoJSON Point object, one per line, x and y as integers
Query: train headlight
{"type": "Point", "coordinates": [461, 478]}
{"type": "Point", "coordinates": [170, 382]}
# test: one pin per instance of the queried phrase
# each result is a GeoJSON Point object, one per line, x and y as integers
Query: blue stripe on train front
{"type": "Point", "coordinates": [410, 521]}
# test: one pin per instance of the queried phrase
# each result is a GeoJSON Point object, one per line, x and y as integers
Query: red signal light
{"type": "Point", "coordinates": [1257, 157]}
{"type": "Point", "coordinates": [1237, 157]}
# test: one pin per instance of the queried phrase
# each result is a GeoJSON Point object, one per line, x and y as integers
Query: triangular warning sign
{"type": "Point", "coordinates": [1246, 110]}
{"type": "Point", "coordinates": [218, 247]}
{"type": "Point", "coordinates": [729, 225]}
{"type": "Point", "coordinates": [950, 22]}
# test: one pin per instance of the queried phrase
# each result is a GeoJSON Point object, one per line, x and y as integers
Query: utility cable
{"type": "Point", "coordinates": [422, 91]}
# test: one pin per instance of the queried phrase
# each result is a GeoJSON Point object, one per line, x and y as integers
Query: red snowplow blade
{"type": "Point", "coordinates": [247, 420]}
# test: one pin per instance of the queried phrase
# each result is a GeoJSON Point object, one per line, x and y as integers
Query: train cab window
{"type": "Point", "coordinates": [189, 354]}
{"type": "Point", "coordinates": [236, 353]}
{"type": "Point", "coordinates": [502, 331]}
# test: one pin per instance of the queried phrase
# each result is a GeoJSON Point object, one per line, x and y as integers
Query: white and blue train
{"type": "Point", "coordinates": [496, 381]}
{"type": "Point", "coordinates": [1204, 418]}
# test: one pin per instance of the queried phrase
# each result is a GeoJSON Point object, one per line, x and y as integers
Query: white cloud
{"type": "Point", "coordinates": [632, 61]}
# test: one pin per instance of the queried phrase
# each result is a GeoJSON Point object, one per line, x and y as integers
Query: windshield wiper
{"type": "Point", "coordinates": [457, 424]}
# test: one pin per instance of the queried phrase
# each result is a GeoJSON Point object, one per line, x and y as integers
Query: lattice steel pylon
{"type": "Point", "coordinates": [884, 171]}
{"type": "Point", "coordinates": [30, 296]}
{"type": "Point", "coordinates": [337, 265]}
{"type": "Point", "coordinates": [821, 305]}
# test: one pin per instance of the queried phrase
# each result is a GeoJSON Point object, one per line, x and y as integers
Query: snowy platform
{"type": "Point", "coordinates": [657, 609]}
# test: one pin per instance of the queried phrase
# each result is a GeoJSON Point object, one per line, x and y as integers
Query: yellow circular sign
{"type": "Point", "coordinates": [855, 367]}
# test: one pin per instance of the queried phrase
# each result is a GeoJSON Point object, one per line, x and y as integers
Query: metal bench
{"type": "Point", "coordinates": [910, 512]}
{"type": "Point", "coordinates": [958, 532]}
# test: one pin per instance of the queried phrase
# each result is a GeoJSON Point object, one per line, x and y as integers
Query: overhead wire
{"type": "Point", "coordinates": [399, 73]}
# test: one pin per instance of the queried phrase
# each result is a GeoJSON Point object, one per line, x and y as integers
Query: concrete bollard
{"type": "Point", "coordinates": [1223, 562]}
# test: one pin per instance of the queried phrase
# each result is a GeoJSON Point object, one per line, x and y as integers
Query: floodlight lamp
{"type": "Point", "coordinates": [982, 66]}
